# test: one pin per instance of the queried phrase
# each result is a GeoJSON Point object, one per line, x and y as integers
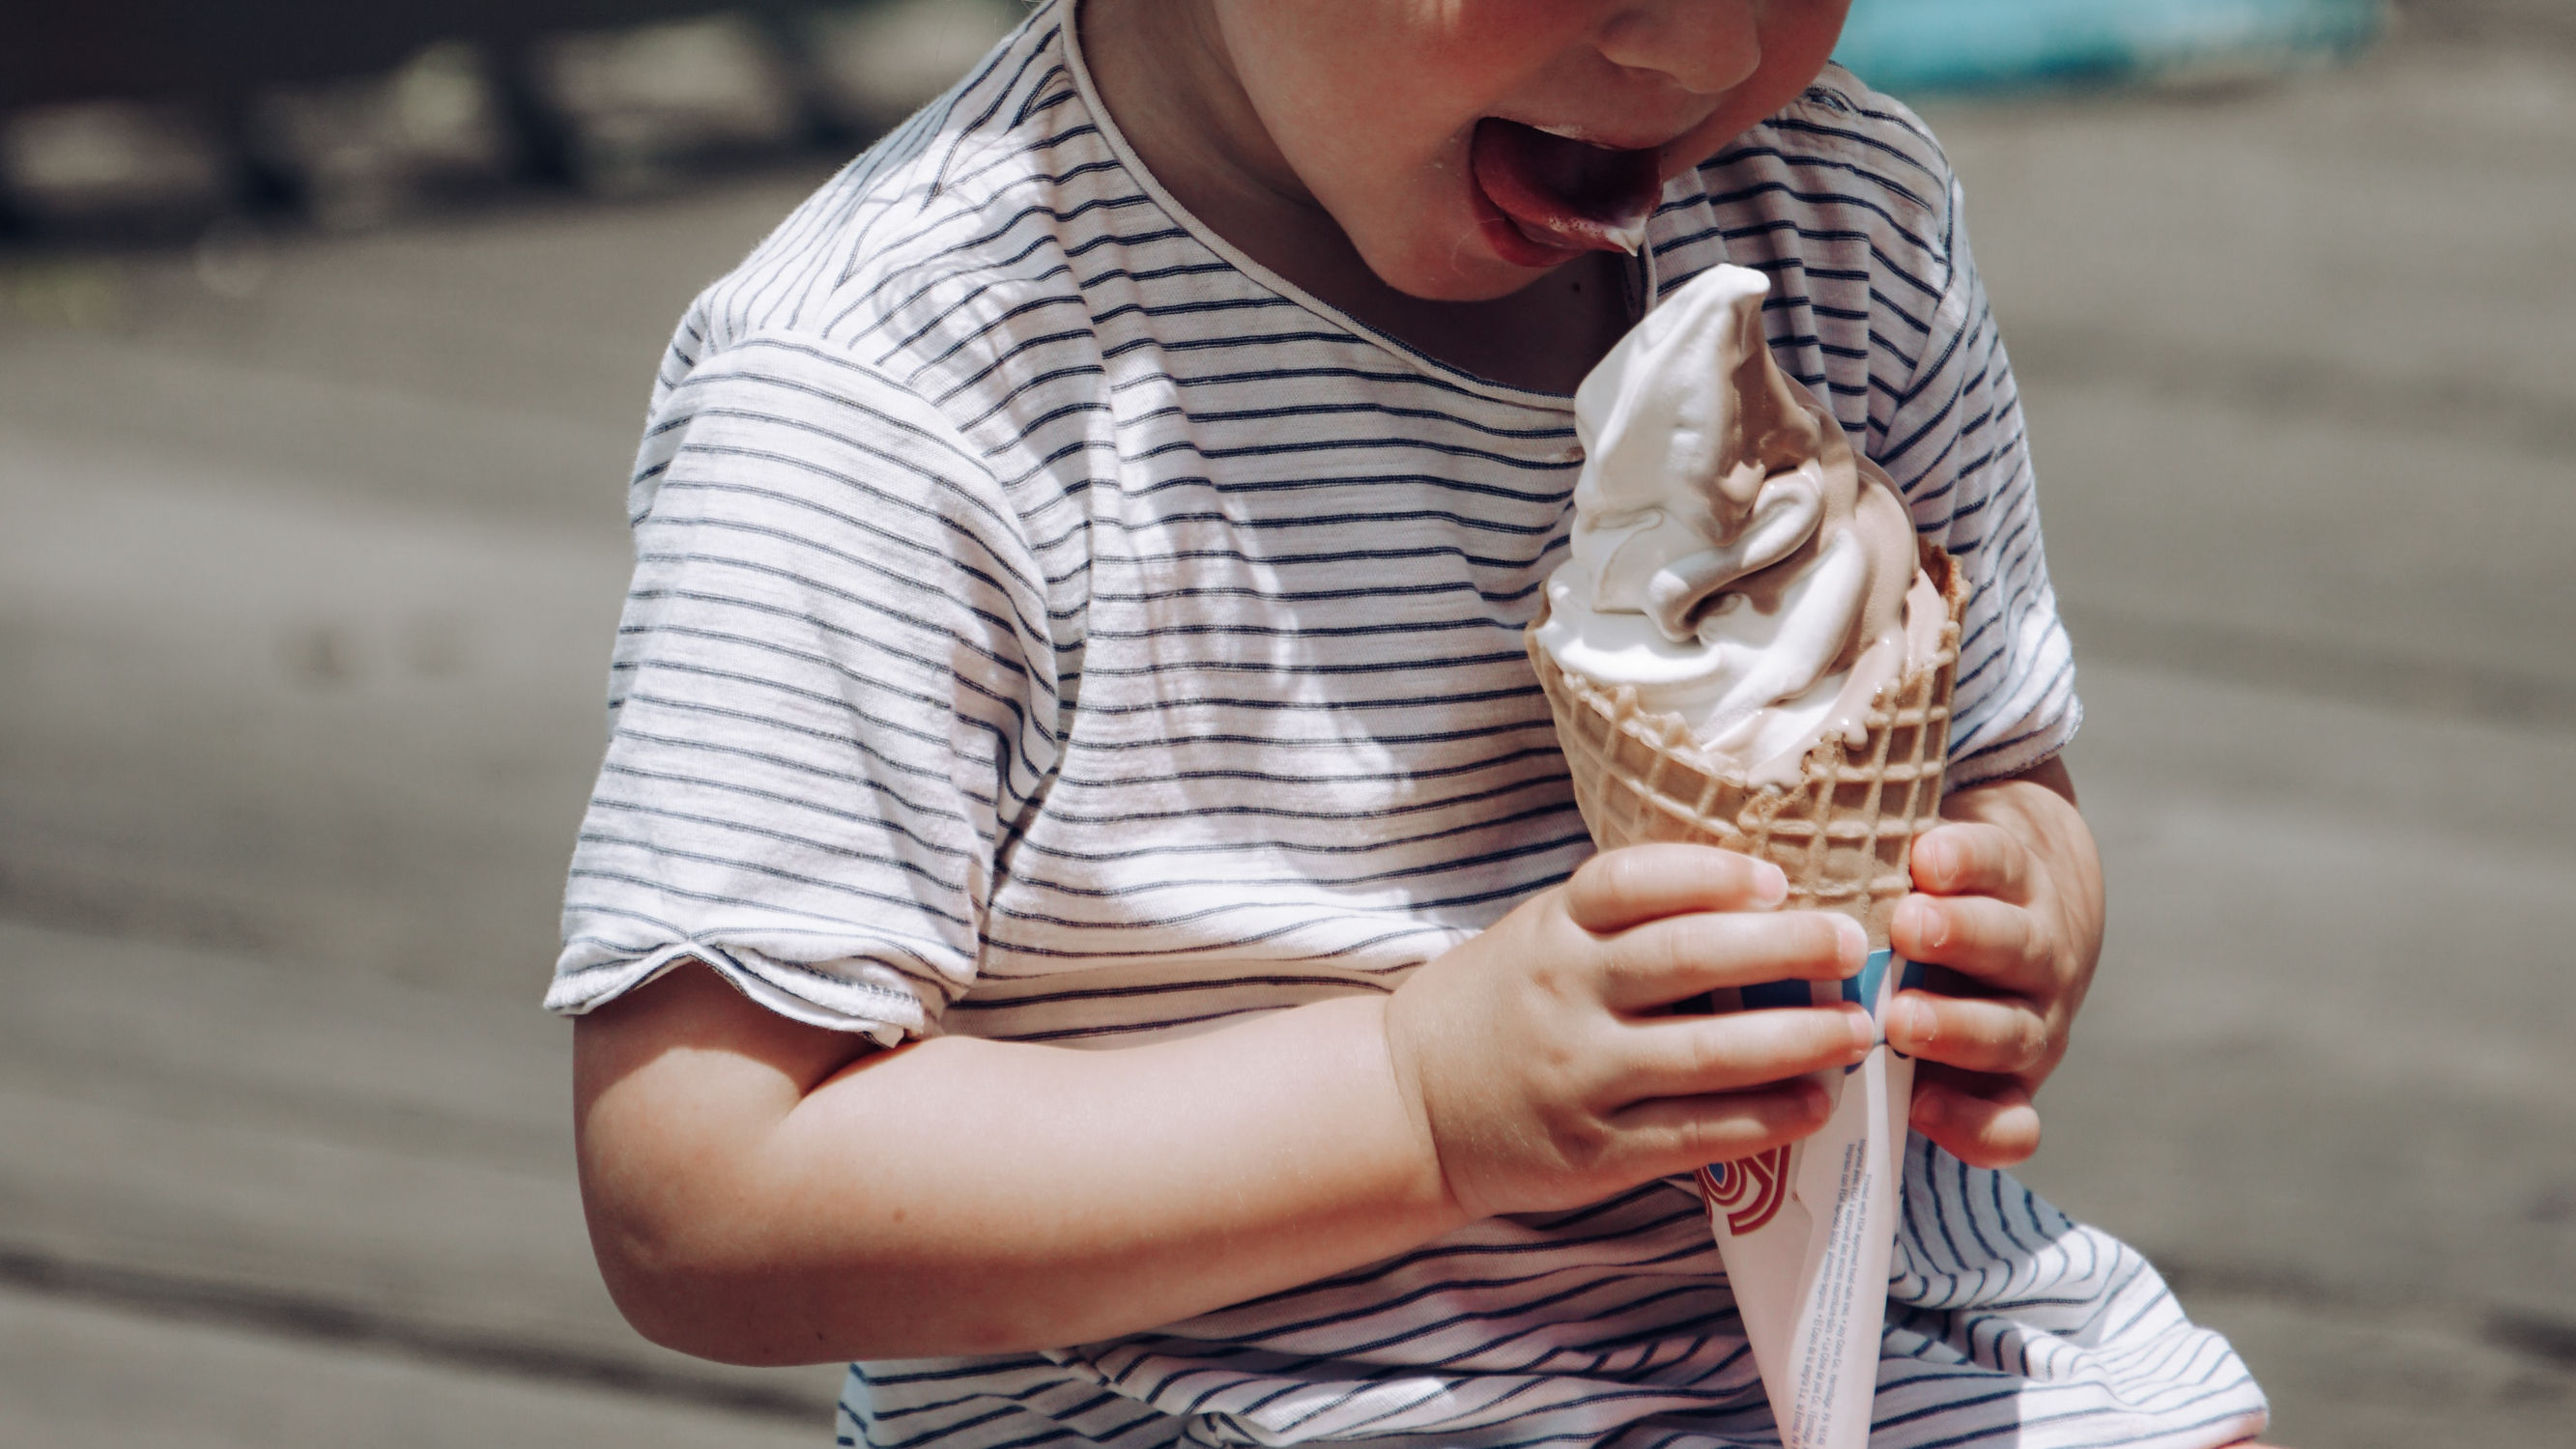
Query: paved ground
{"type": "Point", "coordinates": [306, 578]}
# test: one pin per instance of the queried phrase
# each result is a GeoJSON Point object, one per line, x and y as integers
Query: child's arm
{"type": "Point", "coordinates": [2011, 897]}
{"type": "Point", "coordinates": [761, 1192]}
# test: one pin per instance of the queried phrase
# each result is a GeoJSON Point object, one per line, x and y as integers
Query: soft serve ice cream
{"type": "Point", "coordinates": [1735, 559]}
{"type": "Point", "coordinates": [1749, 649]}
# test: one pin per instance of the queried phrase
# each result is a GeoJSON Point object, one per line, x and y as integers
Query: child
{"type": "Point", "coordinates": [1083, 909]}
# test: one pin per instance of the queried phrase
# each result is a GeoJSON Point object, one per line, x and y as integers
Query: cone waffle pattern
{"type": "Point", "coordinates": [1843, 833]}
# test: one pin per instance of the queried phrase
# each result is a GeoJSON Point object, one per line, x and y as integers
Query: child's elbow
{"type": "Point", "coordinates": [657, 1274]}
{"type": "Point", "coordinates": [689, 1290]}
{"type": "Point", "coordinates": [675, 1094]}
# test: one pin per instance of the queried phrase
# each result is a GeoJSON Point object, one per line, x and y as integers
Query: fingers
{"type": "Point", "coordinates": [1978, 1034]}
{"type": "Point", "coordinates": [1982, 1122]}
{"type": "Point", "coordinates": [1688, 1056]}
{"type": "Point", "coordinates": [1679, 957]}
{"type": "Point", "coordinates": [1671, 1135]}
{"type": "Point", "coordinates": [1969, 858]}
{"type": "Point", "coordinates": [1622, 888]}
{"type": "Point", "coordinates": [1994, 941]}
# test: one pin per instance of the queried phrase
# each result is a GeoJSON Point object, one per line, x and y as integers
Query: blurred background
{"type": "Point", "coordinates": [325, 332]}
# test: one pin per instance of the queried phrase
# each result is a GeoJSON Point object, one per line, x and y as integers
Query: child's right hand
{"type": "Point", "coordinates": [1539, 1062]}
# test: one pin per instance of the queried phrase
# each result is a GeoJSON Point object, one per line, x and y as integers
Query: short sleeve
{"type": "Point", "coordinates": [1957, 449]}
{"type": "Point", "coordinates": [835, 685]}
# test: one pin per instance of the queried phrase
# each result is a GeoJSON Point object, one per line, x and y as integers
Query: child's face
{"type": "Point", "coordinates": [1397, 117]}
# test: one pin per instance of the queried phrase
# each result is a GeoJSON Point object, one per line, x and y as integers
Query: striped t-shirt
{"type": "Point", "coordinates": [1049, 625]}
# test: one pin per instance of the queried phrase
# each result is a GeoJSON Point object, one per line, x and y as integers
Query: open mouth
{"type": "Point", "coordinates": [1559, 197]}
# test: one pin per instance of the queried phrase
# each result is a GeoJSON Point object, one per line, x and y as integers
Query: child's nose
{"type": "Point", "coordinates": [1705, 46]}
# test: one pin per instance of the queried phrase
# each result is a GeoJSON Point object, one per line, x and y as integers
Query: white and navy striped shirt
{"type": "Point", "coordinates": [1049, 625]}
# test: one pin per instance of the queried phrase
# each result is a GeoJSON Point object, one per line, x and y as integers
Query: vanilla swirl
{"type": "Point", "coordinates": [1735, 558]}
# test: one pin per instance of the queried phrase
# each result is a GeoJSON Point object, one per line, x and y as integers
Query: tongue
{"type": "Point", "coordinates": [1564, 193]}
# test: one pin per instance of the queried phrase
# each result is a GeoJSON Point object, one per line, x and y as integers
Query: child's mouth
{"type": "Point", "coordinates": [1555, 197]}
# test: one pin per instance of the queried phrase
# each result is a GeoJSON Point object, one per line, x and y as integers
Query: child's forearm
{"type": "Point", "coordinates": [964, 1196]}
{"type": "Point", "coordinates": [761, 1192]}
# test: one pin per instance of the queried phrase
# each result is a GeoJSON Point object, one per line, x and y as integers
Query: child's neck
{"type": "Point", "coordinates": [1544, 337]}
{"type": "Point", "coordinates": [1178, 116]}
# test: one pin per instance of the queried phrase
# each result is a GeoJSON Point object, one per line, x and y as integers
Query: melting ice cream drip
{"type": "Point", "coordinates": [1735, 558]}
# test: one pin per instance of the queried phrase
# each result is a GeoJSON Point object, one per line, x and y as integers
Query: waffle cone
{"type": "Point", "coordinates": [1843, 833]}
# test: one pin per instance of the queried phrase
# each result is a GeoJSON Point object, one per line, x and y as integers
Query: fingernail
{"type": "Point", "coordinates": [1929, 925]}
{"type": "Point", "coordinates": [1854, 945]}
{"type": "Point", "coordinates": [1911, 1020]}
{"type": "Point", "coordinates": [1928, 1113]}
{"type": "Point", "coordinates": [1770, 885]}
{"type": "Point", "coordinates": [1864, 1032]}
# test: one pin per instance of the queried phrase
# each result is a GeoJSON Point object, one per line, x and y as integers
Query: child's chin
{"type": "Point", "coordinates": [1468, 271]}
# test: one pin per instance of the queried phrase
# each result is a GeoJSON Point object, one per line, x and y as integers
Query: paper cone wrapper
{"type": "Point", "coordinates": [1806, 1230]}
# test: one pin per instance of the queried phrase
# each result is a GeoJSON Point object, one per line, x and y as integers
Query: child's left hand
{"type": "Point", "coordinates": [2009, 896]}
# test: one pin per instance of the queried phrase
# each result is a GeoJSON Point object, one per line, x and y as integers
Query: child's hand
{"type": "Point", "coordinates": [2011, 899]}
{"type": "Point", "coordinates": [1541, 1064]}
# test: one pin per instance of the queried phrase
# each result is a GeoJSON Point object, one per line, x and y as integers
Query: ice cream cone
{"type": "Point", "coordinates": [1842, 834]}
{"type": "Point", "coordinates": [1748, 646]}
{"type": "Point", "coordinates": [1806, 1228]}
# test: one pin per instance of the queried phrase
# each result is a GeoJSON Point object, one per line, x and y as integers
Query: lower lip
{"type": "Point", "coordinates": [1506, 238]}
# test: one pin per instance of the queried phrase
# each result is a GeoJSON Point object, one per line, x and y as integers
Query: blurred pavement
{"type": "Point", "coordinates": [2300, 371]}
{"type": "Point", "coordinates": [312, 551]}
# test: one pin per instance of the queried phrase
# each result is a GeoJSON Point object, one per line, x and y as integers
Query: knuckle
{"type": "Point", "coordinates": [1566, 978]}
{"type": "Point", "coordinates": [1733, 872]}
{"type": "Point", "coordinates": [1543, 919]}
{"type": "Point", "coordinates": [1711, 1057]}
{"type": "Point", "coordinates": [1679, 945]}
{"type": "Point", "coordinates": [1642, 958]}
{"type": "Point", "coordinates": [1707, 1136]}
{"type": "Point", "coordinates": [1809, 1106]}
{"type": "Point", "coordinates": [2036, 1043]}
{"type": "Point", "coordinates": [1590, 887]}
{"type": "Point", "coordinates": [1616, 873]}
{"type": "Point", "coordinates": [1974, 855]}
{"type": "Point", "coordinates": [2026, 1042]}
{"type": "Point", "coordinates": [1579, 1141]}
{"type": "Point", "coordinates": [2013, 868]}
{"type": "Point", "coordinates": [1998, 935]}
{"type": "Point", "coordinates": [1694, 1139]}
{"type": "Point", "coordinates": [1834, 1037]}
{"type": "Point", "coordinates": [1710, 1133]}
{"type": "Point", "coordinates": [1969, 932]}
{"type": "Point", "coordinates": [1548, 970]}
{"type": "Point", "coordinates": [1985, 847]}
{"type": "Point", "coordinates": [1691, 1140]}
{"type": "Point", "coordinates": [2028, 941]}
{"type": "Point", "coordinates": [1820, 938]}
